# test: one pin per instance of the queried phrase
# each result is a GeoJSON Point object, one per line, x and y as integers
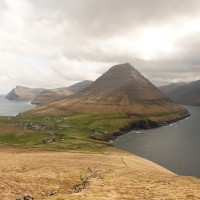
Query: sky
{"type": "Point", "coordinates": [56, 43]}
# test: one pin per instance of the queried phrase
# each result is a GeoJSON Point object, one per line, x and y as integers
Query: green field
{"type": "Point", "coordinates": [75, 132]}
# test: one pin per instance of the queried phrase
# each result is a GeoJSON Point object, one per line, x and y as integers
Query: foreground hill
{"type": "Point", "coordinates": [184, 93]}
{"type": "Point", "coordinates": [52, 95]}
{"type": "Point", "coordinates": [122, 89]}
{"type": "Point", "coordinates": [23, 93]}
{"type": "Point", "coordinates": [114, 175]}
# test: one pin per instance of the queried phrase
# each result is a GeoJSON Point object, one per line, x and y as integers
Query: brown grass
{"type": "Point", "coordinates": [115, 175]}
{"type": "Point", "coordinates": [9, 128]}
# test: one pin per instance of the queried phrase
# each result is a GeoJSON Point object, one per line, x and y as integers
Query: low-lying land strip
{"type": "Point", "coordinates": [77, 131]}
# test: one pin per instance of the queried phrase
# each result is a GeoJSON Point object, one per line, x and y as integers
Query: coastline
{"type": "Point", "coordinates": [144, 124]}
{"type": "Point", "coordinates": [174, 147]}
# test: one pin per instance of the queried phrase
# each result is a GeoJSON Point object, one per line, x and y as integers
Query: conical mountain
{"type": "Point", "coordinates": [122, 89]}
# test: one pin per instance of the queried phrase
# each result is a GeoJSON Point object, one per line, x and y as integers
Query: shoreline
{"type": "Point", "coordinates": [174, 147]}
{"type": "Point", "coordinates": [144, 124]}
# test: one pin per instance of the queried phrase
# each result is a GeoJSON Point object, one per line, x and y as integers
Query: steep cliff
{"type": "Point", "coordinates": [23, 93]}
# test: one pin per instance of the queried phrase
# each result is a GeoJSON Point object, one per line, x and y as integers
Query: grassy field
{"type": "Point", "coordinates": [80, 132]}
{"type": "Point", "coordinates": [76, 131]}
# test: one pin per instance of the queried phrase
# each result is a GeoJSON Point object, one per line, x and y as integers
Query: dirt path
{"type": "Point", "coordinates": [73, 176]}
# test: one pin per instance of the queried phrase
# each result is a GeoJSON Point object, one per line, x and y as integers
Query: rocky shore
{"type": "Point", "coordinates": [145, 124]}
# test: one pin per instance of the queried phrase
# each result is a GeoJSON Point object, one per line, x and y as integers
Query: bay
{"type": "Point", "coordinates": [12, 108]}
{"type": "Point", "coordinates": [175, 147]}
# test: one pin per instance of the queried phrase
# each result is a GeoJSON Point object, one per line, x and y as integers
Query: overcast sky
{"type": "Point", "coordinates": [55, 43]}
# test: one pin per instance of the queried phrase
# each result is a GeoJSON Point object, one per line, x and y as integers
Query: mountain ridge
{"type": "Point", "coordinates": [57, 94]}
{"type": "Point", "coordinates": [186, 94]}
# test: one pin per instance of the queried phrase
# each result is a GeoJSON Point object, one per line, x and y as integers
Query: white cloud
{"type": "Point", "coordinates": [78, 70]}
{"type": "Point", "coordinates": [56, 43]}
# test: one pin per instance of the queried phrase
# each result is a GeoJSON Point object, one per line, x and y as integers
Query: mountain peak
{"type": "Point", "coordinates": [123, 68]}
{"type": "Point", "coordinates": [118, 76]}
{"type": "Point", "coordinates": [122, 89]}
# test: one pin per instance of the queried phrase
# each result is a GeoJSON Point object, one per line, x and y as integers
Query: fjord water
{"type": "Point", "coordinates": [12, 108]}
{"type": "Point", "coordinates": [175, 147]}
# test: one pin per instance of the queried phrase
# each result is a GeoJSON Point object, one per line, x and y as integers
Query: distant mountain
{"type": "Point", "coordinates": [168, 88]}
{"type": "Point", "coordinates": [122, 89]}
{"type": "Point", "coordinates": [23, 93]}
{"type": "Point", "coordinates": [80, 86]}
{"type": "Point", "coordinates": [52, 95]}
{"type": "Point", "coordinates": [183, 93]}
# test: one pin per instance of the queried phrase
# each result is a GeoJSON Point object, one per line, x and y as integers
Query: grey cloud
{"type": "Point", "coordinates": [95, 14]}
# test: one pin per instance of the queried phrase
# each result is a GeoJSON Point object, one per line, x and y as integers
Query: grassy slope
{"type": "Point", "coordinates": [110, 176]}
{"type": "Point", "coordinates": [78, 130]}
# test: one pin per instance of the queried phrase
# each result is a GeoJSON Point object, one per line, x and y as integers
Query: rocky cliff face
{"type": "Point", "coordinates": [53, 95]}
{"type": "Point", "coordinates": [184, 93]}
{"type": "Point", "coordinates": [122, 89]}
{"type": "Point", "coordinates": [23, 93]}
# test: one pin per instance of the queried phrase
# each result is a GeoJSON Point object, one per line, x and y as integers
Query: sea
{"type": "Point", "coordinates": [175, 147]}
{"type": "Point", "coordinates": [12, 108]}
